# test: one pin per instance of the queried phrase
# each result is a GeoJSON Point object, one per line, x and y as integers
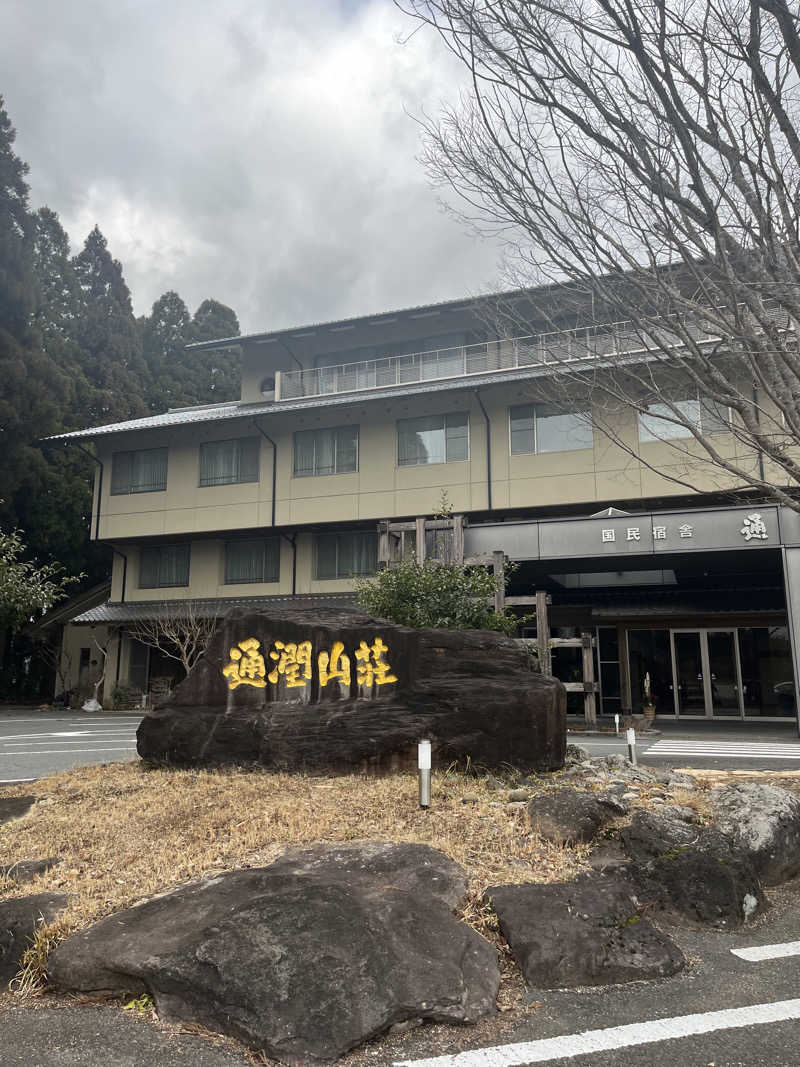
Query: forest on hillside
{"type": "Point", "coordinates": [72, 355]}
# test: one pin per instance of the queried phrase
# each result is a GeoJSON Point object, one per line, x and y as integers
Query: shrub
{"type": "Point", "coordinates": [446, 596]}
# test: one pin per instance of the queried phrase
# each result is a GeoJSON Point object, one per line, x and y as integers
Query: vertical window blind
{"type": "Point", "coordinates": [163, 565]}
{"type": "Point", "coordinates": [319, 452]}
{"type": "Point", "coordinates": [345, 555]}
{"type": "Point", "coordinates": [144, 471]}
{"type": "Point", "coordinates": [229, 462]}
{"type": "Point", "coordinates": [252, 561]}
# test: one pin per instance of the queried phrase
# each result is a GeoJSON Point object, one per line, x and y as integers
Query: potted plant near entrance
{"type": "Point", "coordinates": [648, 707]}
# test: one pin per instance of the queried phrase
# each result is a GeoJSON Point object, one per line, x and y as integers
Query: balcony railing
{"type": "Point", "coordinates": [563, 346]}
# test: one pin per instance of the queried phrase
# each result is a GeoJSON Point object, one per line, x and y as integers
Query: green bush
{"type": "Point", "coordinates": [446, 596]}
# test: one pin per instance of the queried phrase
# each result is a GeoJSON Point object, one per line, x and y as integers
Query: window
{"type": "Point", "coordinates": [432, 439]}
{"type": "Point", "coordinates": [164, 565]}
{"type": "Point", "coordinates": [535, 428]}
{"type": "Point", "coordinates": [326, 451]}
{"type": "Point", "coordinates": [139, 472]}
{"type": "Point", "coordinates": [229, 462]}
{"type": "Point", "coordinates": [252, 561]}
{"type": "Point", "coordinates": [706, 416]}
{"type": "Point", "coordinates": [345, 555]}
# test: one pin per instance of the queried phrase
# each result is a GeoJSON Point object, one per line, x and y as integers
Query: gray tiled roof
{"type": "Point", "coordinates": [131, 611]}
{"type": "Point", "coordinates": [235, 410]}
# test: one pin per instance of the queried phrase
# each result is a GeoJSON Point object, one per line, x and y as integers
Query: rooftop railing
{"type": "Point", "coordinates": [543, 349]}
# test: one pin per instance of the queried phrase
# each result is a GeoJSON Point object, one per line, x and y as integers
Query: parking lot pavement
{"type": "Point", "coordinates": [736, 1005]}
{"type": "Point", "coordinates": [34, 744]}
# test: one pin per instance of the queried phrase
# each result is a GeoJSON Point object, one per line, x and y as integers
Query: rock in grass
{"type": "Point", "coordinates": [586, 932]}
{"type": "Point", "coordinates": [566, 816]}
{"type": "Point", "coordinates": [764, 822]}
{"type": "Point", "coordinates": [306, 958]}
{"type": "Point", "coordinates": [694, 870]}
{"type": "Point", "coordinates": [27, 870]}
{"type": "Point", "coordinates": [14, 807]}
{"type": "Point", "coordinates": [19, 918]}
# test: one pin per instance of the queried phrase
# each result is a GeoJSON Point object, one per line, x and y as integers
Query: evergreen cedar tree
{"type": "Point", "coordinates": [72, 354]}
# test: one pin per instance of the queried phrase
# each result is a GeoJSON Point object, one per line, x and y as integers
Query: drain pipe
{"type": "Point", "coordinates": [94, 459]}
{"type": "Point", "coordinates": [488, 450]}
{"type": "Point", "coordinates": [293, 542]}
{"type": "Point", "coordinates": [267, 437]}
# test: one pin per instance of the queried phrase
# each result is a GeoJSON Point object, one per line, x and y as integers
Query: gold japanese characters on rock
{"type": "Point", "coordinates": [292, 661]}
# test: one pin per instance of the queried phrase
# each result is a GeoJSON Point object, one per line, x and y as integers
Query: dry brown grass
{"type": "Point", "coordinates": [125, 833]}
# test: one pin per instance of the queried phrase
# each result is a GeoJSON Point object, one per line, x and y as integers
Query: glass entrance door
{"type": "Point", "coordinates": [687, 657]}
{"type": "Point", "coordinates": [723, 673]}
{"type": "Point", "coordinates": [706, 673]}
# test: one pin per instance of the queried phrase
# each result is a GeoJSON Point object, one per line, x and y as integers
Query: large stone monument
{"type": "Point", "coordinates": [308, 688]}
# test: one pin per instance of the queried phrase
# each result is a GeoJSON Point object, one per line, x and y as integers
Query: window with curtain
{"type": "Point", "coordinates": [537, 428]}
{"type": "Point", "coordinates": [229, 462]}
{"type": "Point", "coordinates": [433, 439]}
{"type": "Point", "coordinates": [161, 566]}
{"type": "Point", "coordinates": [144, 471]}
{"type": "Point", "coordinates": [252, 561]}
{"type": "Point", "coordinates": [705, 415]}
{"type": "Point", "coordinates": [333, 451]}
{"type": "Point", "coordinates": [353, 553]}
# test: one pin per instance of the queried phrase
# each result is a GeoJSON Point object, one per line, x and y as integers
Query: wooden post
{"type": "Point", "coordinates": [458, 539]}
{"type": "Point", "coordinates": [384, 555]}
{"type": "Point", "coordinates": [589, 698]}
{"type": "Point", "coordinates": [499, 569]}
{"type": "Point", "coordinates": [421, 540]}
{"type": "Point", "coordinates": [543, 634]}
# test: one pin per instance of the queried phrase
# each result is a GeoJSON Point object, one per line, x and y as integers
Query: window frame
{"type": "Point", "coordinates": [339, 576]}
{"type": "Point", "coordinates": [444, 417]}
{"type": "Point", "coordinates": [687, 435]}
{"type": "Point", "coordinates": [159, 548]}
{"type": "Point", "coordinates": [131, 490]}
{"type": "Point", "coordinates": [326, 429]}
{"type": "Point", "coordinates": [235, 481]}
{"type": "Point", "coordinates": [263, 580]}
{"type": "Point", "coordinates": [536, 416]}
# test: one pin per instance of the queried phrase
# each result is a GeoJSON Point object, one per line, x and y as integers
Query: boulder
{"type": "Point", "coordinates": [309, 688]}
{"type": "Point", "coordinates": [304, 959]}
{"type": "Point", "coordinates": [14, 807]}
{"type": "Point", "coordinates": [694, 870]}
{"type": "Point", "coordinates": [575, 754]}
{"type": "Point", "coordinates": [586, 932]}
{"type": "Point", "coordinates": [19, 918]}
{"type": "Point", "coordinates": [27, 870]}
{"type": "Point", "coordinates": [566, 816]}
{"type": "Point", "coordinates": [764, 822]}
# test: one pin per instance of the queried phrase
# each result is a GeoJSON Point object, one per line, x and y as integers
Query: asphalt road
{"type": "Point", "coordinates": [715, 981]}
{"type": "Point", "coordinates": [723, 747]}
{"type": "Point", "coordinates": [34, 744]}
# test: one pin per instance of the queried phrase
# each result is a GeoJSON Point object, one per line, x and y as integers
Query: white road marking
{"type": "Point", "coordinates": [15, 781]}
{"type": "Point", "coordinates": [73, 751]}
{"type": "Point", "coordinates": [615, 1037]}
{"type": "Point", "coordinates": [768, 952]}
{"type": "Point", "coordinates": [730, 749]}
{"type": "Point", "coordinates": [18, 739]}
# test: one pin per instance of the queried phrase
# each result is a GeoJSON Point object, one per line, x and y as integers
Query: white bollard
{"type": "Point", "coordinates": [616, 723]}
{"type": "Point", "coordinates": [631, 738]}
{"type": "Point", "coordinates": [424, 764]}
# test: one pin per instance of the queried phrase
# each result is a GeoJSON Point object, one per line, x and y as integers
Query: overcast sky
{"type": "Point", "coordinates": [256, 151]}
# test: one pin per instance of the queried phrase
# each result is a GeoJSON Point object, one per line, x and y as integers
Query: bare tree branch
{"type": "Point", "coordinates": [646, 157]}
{"type": "Point", "coordinates": [180, 632]}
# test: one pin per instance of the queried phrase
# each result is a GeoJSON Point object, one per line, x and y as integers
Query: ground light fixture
{"type": "Point", "coordinates": [424, 764]}
{"type": "Point", "coordinates": [631, 739]}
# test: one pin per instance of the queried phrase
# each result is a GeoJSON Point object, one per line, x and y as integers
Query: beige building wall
{"type": "Point", "coordinates": [382, 489]}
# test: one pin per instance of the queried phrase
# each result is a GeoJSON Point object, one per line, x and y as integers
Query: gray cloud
{"type": "Point", "coordinates": [255, 151]}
